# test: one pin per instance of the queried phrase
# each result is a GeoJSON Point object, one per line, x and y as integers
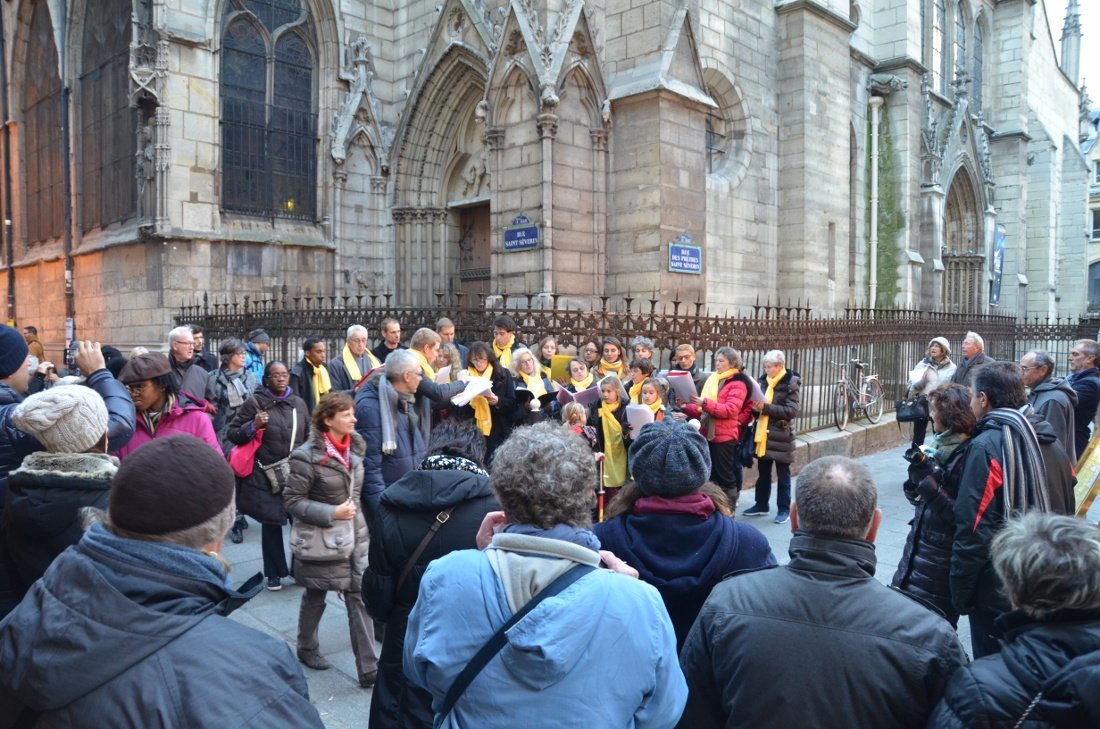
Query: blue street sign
{"type": "Point", "coordinates": [684, 257]}
{"type": "Point", "coordinates": [521, 235]}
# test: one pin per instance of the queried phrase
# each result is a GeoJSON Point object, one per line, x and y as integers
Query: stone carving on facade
{"type": "Point", "coordinates": [456, 24]}
{"type": "Point", "coordinates": [359, 112]}
{"type": "Point", "coordinates": [931, 152]}
{"type": "Point", "coordinates": [481, 112]}
{"type": "Point", "coordinates": [475, 177]}
{"type": "Point", "coordinates": [149, 54]}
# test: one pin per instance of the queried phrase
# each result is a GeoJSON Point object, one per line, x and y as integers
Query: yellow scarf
{"type": "Point", "coordinates": [584, 384]}
{"type": "Point", "coordinates": [714, 382]}
{"type": "Point", "coordinates": [545, 370]}
{"type": "Point", "coordinates": [761, 438]}
{"type": "Point", "coordinates": [656, 408]}
{"type": "Point", "coordinates": [429, 371]}
{"type": "Point", "coordinates": [636, 392]}
{"type": "Point", "coordinates": [353, 367]}
{"type": "Point", "coordinates": [534, 384]}
{"type": "Point", "coordinates": [608, 368]}
{"type": "Point", "coordinates": [482, 415]}
{"type": "Point", "coordinates": [321, 382]}
{"type": "Point", "coordinates": [614, 449]}
{"type": "Point", "coordinates": [504, 354]}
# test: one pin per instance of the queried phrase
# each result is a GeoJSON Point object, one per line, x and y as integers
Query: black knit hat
{"type": "Point", "coordinates": [259, 336]}
{"type": "Point", "coordinates": [13, 351]}
{"type": "Point", "coordinates": [169, 484]}
{"type": "Point", "coordinates": [670, 459]}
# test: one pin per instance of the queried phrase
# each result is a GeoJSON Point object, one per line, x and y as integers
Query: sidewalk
{"type": "Point", "coordinates": [336, 692]}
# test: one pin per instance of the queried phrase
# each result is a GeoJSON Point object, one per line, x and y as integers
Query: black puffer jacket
{"type": "Point", "coordinates": [925, 566]}
{"type": "Point", "coordinates": [318, 484]}
{"type": "Point", "coordinates": [1059, 657]}
{"type": "Point", "coordinates": [254, 496]}
{"type": "Point", "coordinates": [781, 412]}
{"type": "Point", "coordinates": [406, 511]}
{"type": "Point", "coordinates": [42, 517]}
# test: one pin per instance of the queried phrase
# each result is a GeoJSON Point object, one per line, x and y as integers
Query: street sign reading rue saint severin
{"type": "Point", "coordinates": [683, 257]}
{"type": "Point", "coordinates": [521, 235]}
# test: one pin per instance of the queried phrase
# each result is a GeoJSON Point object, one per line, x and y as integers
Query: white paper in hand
{"type": "Point", "coordinates": [638, 415]}
{"type": "Point", "coordinates": [682, 385]}
{"type": "Point", "coordinates": [476, 386]}
{"type": "Point", "coordinates": [443, 375]}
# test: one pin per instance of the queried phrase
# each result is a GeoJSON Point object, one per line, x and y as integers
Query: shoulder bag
{"type": "Point", "coordinates": [381, 607]}
{"type": "Point", "coordinates": [499, 639]}
{"type": "Point", "coordinates": [278, 473]}
{"type": "Point", "coordinates": [335, 543]}
{"type": "Point", "coordinates": [912, 409]}
{"type": "Point", "coordinates": [242, 458]}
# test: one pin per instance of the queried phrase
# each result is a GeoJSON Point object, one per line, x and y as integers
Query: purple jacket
{"type": "Point", "coordinates": [190, 419]}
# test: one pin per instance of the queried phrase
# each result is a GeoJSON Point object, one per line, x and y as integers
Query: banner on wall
{"type": "Point", "coordinates": [998, 266]}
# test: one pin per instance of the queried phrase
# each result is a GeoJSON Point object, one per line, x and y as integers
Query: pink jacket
{"type": "Point", "coordinates": [190, 419]}
{"type": "Point", "coordinates": [729, 412]}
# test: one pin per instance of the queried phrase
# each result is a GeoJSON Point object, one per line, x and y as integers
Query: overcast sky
{"type": "Point", "coordinates": [1090, 40]}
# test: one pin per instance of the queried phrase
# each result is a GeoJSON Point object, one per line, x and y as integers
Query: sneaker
{"type": "Point", "coordinates": [755, 511]}
{"type": "Point", "coordinates": [274, 584]}
{"type": "Point", "coordinates": [783, 517]}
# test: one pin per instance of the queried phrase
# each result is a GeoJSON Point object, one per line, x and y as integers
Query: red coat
{"type": "Point", "coordinates": [729, 413]}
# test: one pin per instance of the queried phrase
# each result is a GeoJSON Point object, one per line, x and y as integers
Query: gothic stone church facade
{"type": "Point", "coordinates": [830, 151]}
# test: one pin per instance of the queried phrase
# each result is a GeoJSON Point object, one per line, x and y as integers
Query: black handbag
{"type": "Point", "coordinates": [746, 447]}
{"type": "Point", "coordinates": [912, 409]}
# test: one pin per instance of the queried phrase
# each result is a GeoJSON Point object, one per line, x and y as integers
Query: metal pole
{"type": "Point", "coordinates": [876, 106]}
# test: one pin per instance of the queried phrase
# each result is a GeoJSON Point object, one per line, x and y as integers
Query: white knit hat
{"type": "Point", "coordinates": [65, 418]}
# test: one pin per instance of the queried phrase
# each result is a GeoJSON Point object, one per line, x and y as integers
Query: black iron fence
{"type": "Point", "coordinates": [892, 340]}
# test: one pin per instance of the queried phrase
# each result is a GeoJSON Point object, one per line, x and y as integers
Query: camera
{"type": "Point", "coordinates": [915, 456]}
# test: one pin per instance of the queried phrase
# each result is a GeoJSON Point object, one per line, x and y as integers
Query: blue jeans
{"type": "Point", "coordinates": [764, 484]}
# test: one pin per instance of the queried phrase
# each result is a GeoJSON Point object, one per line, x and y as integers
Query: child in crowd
{"type": "Point", "coordinates": [575, 417]}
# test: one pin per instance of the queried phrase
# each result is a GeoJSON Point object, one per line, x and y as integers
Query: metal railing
{"type": "Point", "coordinates": [893, 341]}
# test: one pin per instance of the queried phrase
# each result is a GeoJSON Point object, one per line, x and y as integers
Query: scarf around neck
{"type": "Point", "coordinates": [614, 448]}
{"type": "Point", "coordinates": [354, 371]}
{"type": "Point", "coordinates": [612, 368]}
{"type": "Point", "coordinates": [429, 371]}
{"type": "Point", "coordinates": [321, 382]}
{"type": "Point", "coordinates": [761, 438]}
{"type": "Point", "coordinates": [388, 402]}
{"type": "Point", "coordinates": [584, 384]}
{"type": "Point", "coordinates": [714, 382]}
{"type": "Point", "coordinates": [693, 504]}
{"type": "Point", "coordinates": [483, 416]}
{"type": "Point", "coordinates": [235, 391]}
{"type": "Point", "coordinates": [443, 462]}
{"type": "Point", "coordinates": [504, 354]}
{"type": "Point", "coordinates": [563, 532]}
{"type": "Point", "coordinates": [534, 383]}
{"type": "Point", "coordinates": [944, 444]}
{"type": "Point", "coordinates": [1024, 469]}
{"type": "Point", "coordinates": [160, 556]}
{"type": "Point", "coordinates": [636, 392]}
{"type": "Point", "coordinates": [338, 450]}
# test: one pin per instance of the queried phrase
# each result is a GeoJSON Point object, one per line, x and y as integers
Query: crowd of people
{"type": "Point", "coordinates": [538, 530]}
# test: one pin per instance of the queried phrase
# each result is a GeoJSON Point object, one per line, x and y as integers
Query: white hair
{"type": "Point", "coordinates": [775, 356]}
{"type": "Point", "coordinates": [179, 332]}
{"type": "Point", "coordinates": [356, 329]}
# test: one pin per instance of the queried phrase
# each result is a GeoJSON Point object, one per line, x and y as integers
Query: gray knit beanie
{"type": "Point", "coordinates": [670, 459]}
{"type": "Point", "coordinates": [65, 418]}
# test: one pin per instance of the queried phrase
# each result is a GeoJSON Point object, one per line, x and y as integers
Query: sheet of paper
{"type": "Point", "coordinates": [589, 396]}
{"type": "Point", "coordinates": [476, 386]}
{"type": "Point", "coordinates": [443, 375]}
{"type": "Point", "coordinates": [682, 385]}
{"type": "Point", "coordinates": [638, 415]}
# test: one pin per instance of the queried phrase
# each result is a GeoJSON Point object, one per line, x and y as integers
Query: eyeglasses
{"type": "Point", "coordinates": [1025, 368]}
{"type": "Point", "coordinates": [137, 388]}
{"type": "Point", "coordinates": [1076, 354]}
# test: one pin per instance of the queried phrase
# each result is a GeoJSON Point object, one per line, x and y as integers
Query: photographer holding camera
{"type": "Point", "coordinates": [932, 486]}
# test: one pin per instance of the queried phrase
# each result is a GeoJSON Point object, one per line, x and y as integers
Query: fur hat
{"type": "Point", "coordinates": [669, 459]}
{"type": "Point", "coordinates": [144, 367]}
{"type": "Point", "coordinates": [13, 351]}
{"type": "Point", "coordinates": [942, 341]}
{"type": "Point", "coordinates": [170, 484]}
{"type": "Point", "coordinates": [259, 336]}
{"type": "Point", "coordinates": [65, 418]}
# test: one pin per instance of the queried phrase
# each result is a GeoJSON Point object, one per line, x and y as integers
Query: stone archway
{"type": "Point", "coordinates": [963, 248]}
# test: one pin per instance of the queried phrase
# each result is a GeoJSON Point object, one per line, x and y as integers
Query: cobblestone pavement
{"type": "Point", "coordinates": [343, 704]}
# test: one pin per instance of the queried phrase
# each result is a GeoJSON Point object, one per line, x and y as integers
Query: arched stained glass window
{"type": "Point", "coordinates": [44, 148]}
{"type": "Point", "coordinates": [107, 121]}
{"type": "Point", "coordinates": [269, 127]}
{"type": "Point", "coordinates": [976, 96]}
{"type": "Point", "coordinates": [939, 46]}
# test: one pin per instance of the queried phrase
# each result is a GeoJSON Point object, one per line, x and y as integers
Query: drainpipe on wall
{"type": "Point", "coordinates": [876, 106]}
{"type": "Point", "coordinates": [9, 244]}
{"type": "Point", "coordinates": [70, 303]}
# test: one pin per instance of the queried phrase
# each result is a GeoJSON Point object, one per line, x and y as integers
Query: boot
{"type": "Point", "coordinates": [314, 660]}
{"type": "Point", "coordinates": [236, 535]}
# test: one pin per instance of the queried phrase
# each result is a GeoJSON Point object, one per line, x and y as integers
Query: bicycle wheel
{"type": "Point", "coordinates": [840, 406]}
{"type": "Point", "coordinates": [873, 399]}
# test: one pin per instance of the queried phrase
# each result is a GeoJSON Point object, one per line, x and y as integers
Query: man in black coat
{"type": "Point", "coordinates": [190, 377]}
{"type": "Point", "coordinates": [141, 604]}
{"type": "Point", "coordinates": [768, 645]}
{"type": "Point", "coordinates": [1085, 380]}
{"type": "Point", "coordinates": [974, 356]}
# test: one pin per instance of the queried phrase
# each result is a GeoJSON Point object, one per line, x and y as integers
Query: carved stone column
{"type": "Point", "coordinates": [548, 131]}
{"type": "Point", "coordinates": [599, 208]}
{"type": "Point", "coordinates": [494, 142]}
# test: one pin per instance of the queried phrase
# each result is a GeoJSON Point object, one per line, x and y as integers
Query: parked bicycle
{"type": "Point", "coordinates": [857, 394]}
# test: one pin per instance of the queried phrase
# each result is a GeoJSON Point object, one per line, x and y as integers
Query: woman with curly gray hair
{"type": "Point", "coordinates": [1048, 671]}
{"type": "Point", "coordinates": [543, 552]}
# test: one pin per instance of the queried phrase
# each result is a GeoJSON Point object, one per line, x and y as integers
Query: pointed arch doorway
{"type": "Point", "coordinates": [963, 248]}
{"type": "Point", "coordinates": [473, 250]}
